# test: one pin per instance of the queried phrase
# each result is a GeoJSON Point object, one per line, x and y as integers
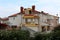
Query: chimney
{"type": "Point", "coordinates": [33, 8]}
{"type": "Point", "coordinates": [42, 11]}
{"type": "Point", "coordinates": [21, 9]}
{"type": "Point", "coordinates": [56, 14]}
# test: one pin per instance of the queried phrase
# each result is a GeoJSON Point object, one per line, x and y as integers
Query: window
{"type": "Point", "coordinates": [28, 20]}
{"type": "Point", "coordinates": [48, 28]}
{"type": "Point", "coordinates": [14, 26]}
{"type": "Point", "coordinates": [13, 18]}
{"type": "Point", "coordinates": [29, 11]}
{"type": "Point", "coordinates": [43, 29]}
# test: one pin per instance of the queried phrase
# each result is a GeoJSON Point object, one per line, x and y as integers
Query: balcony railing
{"type": "Point", "coordinates": [31, 25]}
{"type": "Point", "coordinates": [30, 16]}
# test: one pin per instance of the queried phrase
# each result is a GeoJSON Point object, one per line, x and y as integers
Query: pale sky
{"type": "Point", "coordinates": [8, 7]}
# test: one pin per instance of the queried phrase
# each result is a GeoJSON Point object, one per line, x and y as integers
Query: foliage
{"type": "Point", "coordinates": [14, 35]}
{"type": "Point", "coordinates": [42, 37]}
{"type": "Point", "coordinates": [38, 37]}
{"type": "Point", "coordinates": [57, 28]}
{"type": "Point", "coordinates": [3, 26]}
{"type": "Point", "coordinates": [56, 33]}
{"type": "Point", "coordinates": [25, 35]}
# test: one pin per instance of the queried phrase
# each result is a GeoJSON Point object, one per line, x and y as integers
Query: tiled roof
{"type": "Point", "coordinates": [28, 14]}
{"type": "Point", "coordinates": [42, 12]}
{"type": "Point", "coordinates": [14, 15]}
{"type": "Point", "coordinates": [4, 19]}
{"type": "Point", "coordinates": [36, 11]}
{"type": "Point", "coordinates": [23, 13]}
{"type": "Point", "coordinates": [0, 18]}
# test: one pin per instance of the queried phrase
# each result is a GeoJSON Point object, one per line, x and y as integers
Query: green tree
{"type": "Point", "coordinates": [56, 33]}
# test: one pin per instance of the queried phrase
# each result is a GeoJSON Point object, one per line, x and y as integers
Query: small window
{"type": "Point", "coordinates": [43, 29]}
{"type": "Point", "coordinates": [28, 20]}
{"type": "Point", "coordinates": [13, 18]}
{"type": "Point", "coordinates": [29, 11]}
{"type": "Point", "coordinates": [48, 28]}
{"type": "Point", "coordinates": [14, 26]}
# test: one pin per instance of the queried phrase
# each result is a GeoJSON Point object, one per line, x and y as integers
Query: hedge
{"type": "Point", "coordinates": [14, 35]}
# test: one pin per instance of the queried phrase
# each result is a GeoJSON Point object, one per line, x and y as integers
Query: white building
{"type": "Point", "coordinates": [4, 20]}
{"type": "Point", "coordinates": [15, 19]}
{"type": "Point", "coordinates": [33, 20]}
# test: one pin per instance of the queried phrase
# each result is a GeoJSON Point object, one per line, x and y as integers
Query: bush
{"type": "Point", "coordinates": [14, 35]}
{"type": "Point", "coordinates": [38, 37]}
{"type": "Point", "coordinates": [25, 35]}
{"type": "Point", "coordinates": [56, 33]}
{"type": "Point", "coordinates": [42, 37]}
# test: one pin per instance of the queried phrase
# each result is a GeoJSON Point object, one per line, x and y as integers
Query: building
{"type": "Point", "coordinates": [4, 23]}
{"type": "Point", "coordinates": [15, 20]}
{"type": "Point", "coordinates": [38, 21]}
{"type": "Point", "coordinates": [4, 20]}
{"type": "Point", "coordinates": [33, 20]}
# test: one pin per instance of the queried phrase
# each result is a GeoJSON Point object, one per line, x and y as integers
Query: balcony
{"type": "Point", "coordinates": [30, 16]}
{"type": "Point", "coordinates": [31, 25]}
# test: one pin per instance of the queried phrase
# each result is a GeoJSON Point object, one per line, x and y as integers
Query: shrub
{"type": "Point", "coordinates": [56, 33]}
{"type": "Point", "coordinates": [14, 35]}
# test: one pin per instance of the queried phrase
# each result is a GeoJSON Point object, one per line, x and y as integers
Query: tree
{"type": "Point", "coordinates": [56, 33]}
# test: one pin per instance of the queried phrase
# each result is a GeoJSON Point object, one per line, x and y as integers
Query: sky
{"type": "Point", "coordinates": [9, 7]}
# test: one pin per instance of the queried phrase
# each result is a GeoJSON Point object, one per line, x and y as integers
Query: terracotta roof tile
{"type": "Point", "coordinates": [42, 12]}
{"type": "Point", "coordinates": [28, 15]}
{"type": "Point", "coordinates": [0, 18]}
{"type": "Point", "coordinates": [4, 19]}
{"type": "Point", "coordinates": [14, 15]}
